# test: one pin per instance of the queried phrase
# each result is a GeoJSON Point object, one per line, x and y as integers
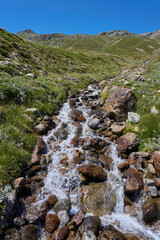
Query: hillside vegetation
{"type": "Point", "coordinates": [73, 64]}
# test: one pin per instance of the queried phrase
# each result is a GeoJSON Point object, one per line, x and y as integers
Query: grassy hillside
{"type": "Point", "coordinates": [55, 73]}
{"type": "Point", "coordinates": [77, 62]}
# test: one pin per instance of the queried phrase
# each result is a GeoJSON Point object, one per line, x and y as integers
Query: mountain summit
{"type": "Point", "coordinates": [27, 31]}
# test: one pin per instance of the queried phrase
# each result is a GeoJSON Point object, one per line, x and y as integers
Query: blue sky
{"type": "Point", "coordinates": [83, 16]}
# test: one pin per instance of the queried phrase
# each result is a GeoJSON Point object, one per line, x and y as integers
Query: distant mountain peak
{"type": "Point", "coordinates": [115, 33]}
{"type": "Point", "coordinates": [27, 31]}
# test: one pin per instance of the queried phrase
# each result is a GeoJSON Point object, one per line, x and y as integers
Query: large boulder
{"type": "Point", "coordinates": [99, 199]}
{"type": "Point", "coordinates": [156, 161]}
{"type": "Point", "coordinates": [150, 210]}
{"type": "Point", "coordinates": [120, 102]}
{"type": "Point", "coordinates": [128, 142]}
{"type": "Point", "coordinates": [93, 172]}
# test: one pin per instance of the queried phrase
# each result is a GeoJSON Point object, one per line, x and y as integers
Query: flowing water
{"type": "Point", "coordinates": [64, 182]}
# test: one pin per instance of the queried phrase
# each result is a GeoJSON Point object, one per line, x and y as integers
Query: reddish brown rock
{"type": "Point", "coordinates": [157, 183]}
{"type": "Point", "coordinates": [64, 161]}
{"type": "Point", "coordinates": [156, 160]}
{"type": "Point", "coordinates": [77, 115]}
{"type": "Point", "coordinates": [134, 182]}
{"type": "Point", "coordinates": [93, 172]}
{"type": "Point", "coordinates": [128, 143]}
{"type": "Point", "coordinates": [98, 143]}
{"type": "Point", "coordinates": [63, 233]}
{"type": "Point", "coordinates": [78, 217]}
{"type": "Point", "coordinates": [111, 233]}
{"type": "Point", "coordinates": [107, 133]}
{"type": "Point", "coordinates": [76, 124]}
{"type": "Point", "coordinates": [77, 160]}
{"type": "Point", "coordinates": [106, 161]}
{"type": "Point", "coordinates": [51, 222]}
{"type": "Point", "coordinates": [39, 149]}
{"type": "Point", "coordinates": [123, 166]}
{"type": "Point", "coordinates": [33, 170]}
{"type": "Point", "coordinates": [120, 103]}
{"type": "Point", "coordinates": [52, 200]}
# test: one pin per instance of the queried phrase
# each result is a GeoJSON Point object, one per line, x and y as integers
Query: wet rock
{"type": "Point", "coordinates": [128, 142]}
{"type": "Point", "coordinates": [157, 183]}
{"type": "Point", "coordinates": [77, 115]}
{"type": "Point", "coordinates": [117, 129]}
{"type": "Point", "coordinates": [52, 200]}
{"type": "Point", "coordinates": [130, 236]}
{"type": "Point", "coordinates": [99, 199]}
{"type": "Point", "coordinates": [63, 233]}
{"type": "Point", "coordinates": [134, 182]}
{"type": "Point", "coordinates": [156, 161]}
{"type": "Point", "coordinates": [63, 217]}
{"type": "Point", "coordinates": [133, 117]}
{"type": "Point", "coordinates": [48, 122]}
{"type": "Point", "coordinates": [19, 184]}
{"type": "Point", "coordinates": [19, 221]}
{"type": "Point", "coordinates": [30, 232]}
{"type": "Point", "coordinates": [106, 161]}
{"type": "Point", "coordinates": [89, 235]}
{"type": "Point", "coordinates": [123, 166]}
{"type": "Point", "coordinates": [61, 133]}
{"type": "Point", "coordinates": [112, 233]}
{"type": "Point", "coordinates": [130, 210]}
{"type": "Point", "coordinates": [94, 123]}
{"type": "Point", "coordinates": [41, 128]}
{"type": "Point", "coordinates": [91, 223]}
{"type": "Point", "coordinates": [120, 103]}
{"type": "Point", "coordinates": [98, 143]}
{"type": "Point", "coordinates": [34, 213]}
{"type": "Point", "coordinates": [153, 191]}
{"type": "Point", "coordinates": [150, 210]}
{"type": "Point", "coordinates": [78, 217]}
{"type": "Point", "coordinates": [51, 222]}
{"type": "Point", "coordinates": [92, 172]}
{"type": "Point", "coordinates": [77, 124]}
{"type": "Point", "coordinates": [63, 204]}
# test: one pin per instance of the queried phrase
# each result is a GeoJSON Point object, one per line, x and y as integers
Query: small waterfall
{"type": "Point", "coordinates": [65, 182]}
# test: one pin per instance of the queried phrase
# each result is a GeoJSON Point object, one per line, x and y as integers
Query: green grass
{"type": "Point", "coordinates": [59, 71]}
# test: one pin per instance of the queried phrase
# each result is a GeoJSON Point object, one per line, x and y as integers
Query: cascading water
{"type": "Point", "coordinates": [65, 182]}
